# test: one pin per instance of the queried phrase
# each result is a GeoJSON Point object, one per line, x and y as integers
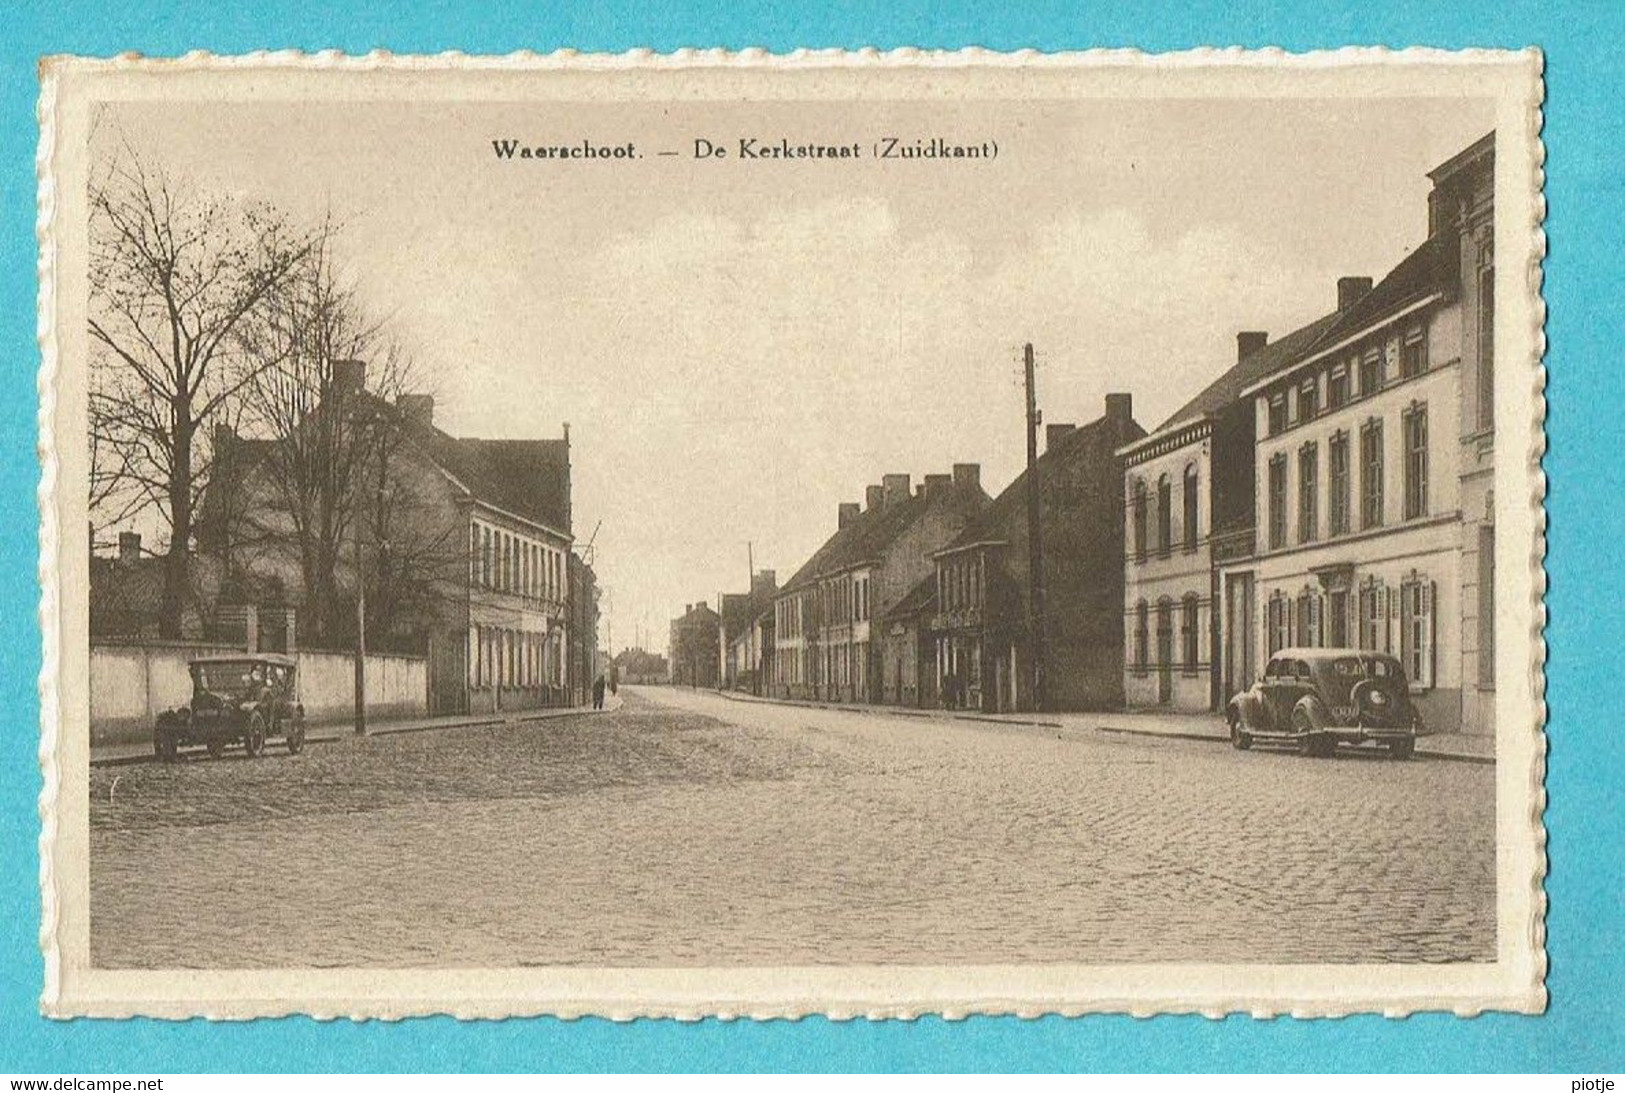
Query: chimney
{"type": "Point", "coordinates": [1054, 434]}
{"type": "Point", "coordinates": [416, 409]}
{"type": "Point", "coordinates": [1350, 289]}
{"type": "Point", "coordinates": [847, 513]}
{"type": "Point", "coordinates": [968, 476]}
{"type": "Point", "coordinates": [938, 484]}
{"type": "Point", "coordinates": [894, 488]}
{"type": "Point", "coordinates": [764, 580]}
{"type": "Point", "coordinates": [1120, 407]}
{"type": "Point", "coordinates": [873, 497]}
{"type": "Point", "coordinates": [1249, 342]}
{"type": "Point", "coordinates": [129, 546]}
{"type": "Point", "coordinates": [349, 376]}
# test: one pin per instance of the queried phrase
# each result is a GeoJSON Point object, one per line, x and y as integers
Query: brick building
{"type": "Point", "coordinates": [1188, 506]}
{"type": "Point", "coordinates": [824, 616]}
{"type": "Point", "coordinates": [483, 525]}
{"type": "Point", "coordinates": [983, 626]}
{"type": "Point", "coordinates": [695, 649]}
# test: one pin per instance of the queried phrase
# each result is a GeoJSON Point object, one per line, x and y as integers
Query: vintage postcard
{"type": "Point", "coordinates": [748, 535]}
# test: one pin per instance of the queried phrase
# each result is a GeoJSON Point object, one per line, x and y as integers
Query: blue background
{"type": "Point", "coordinates": [1584, 1029]}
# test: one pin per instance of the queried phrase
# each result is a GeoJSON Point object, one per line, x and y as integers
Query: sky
{"type": "Point", "coordinates": [739, 346]}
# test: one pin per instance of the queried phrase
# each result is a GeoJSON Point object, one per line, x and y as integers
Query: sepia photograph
{"type": "Point", "coordinates": [837, 534]}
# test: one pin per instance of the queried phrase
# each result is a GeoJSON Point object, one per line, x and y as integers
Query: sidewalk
{"type": "Point", "coordinates": [1203, 727]}
{"type": "Point", "coordinates": [123, 754]}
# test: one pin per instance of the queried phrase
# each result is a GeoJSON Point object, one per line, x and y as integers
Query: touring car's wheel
{"type": "Point", "coordinates": [254, 736]}
{"type": "Point", "coordinates": [296, 735]}
{"type": "Point", "coordinates": [216, 748]}
{"type": "Point", "coordinates": [1402, 749]}
{"type": "Point", "coordinates": [163, 746]}
{"type": "Point", "coordinates": [1309, 744]}
{"type": "Point", "coordinates": [1239, 738]}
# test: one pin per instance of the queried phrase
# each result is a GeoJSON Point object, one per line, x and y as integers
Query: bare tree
{"type": "Point", "coordinates": [328, 483]}
{"type": "Point", "coordinates": [173, 276]}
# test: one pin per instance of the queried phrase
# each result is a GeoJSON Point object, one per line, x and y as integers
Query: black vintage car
{"type": "Point", "coordinates": [243, 698]}
{"type": "Point", "coordinates": [1317, 698]}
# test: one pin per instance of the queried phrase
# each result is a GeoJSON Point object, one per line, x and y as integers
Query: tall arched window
{"type": "Point", "coordinates": [1192, 508]}
{"type": "Point", "coordinates": [1139, 519]}
{"type": "Point", "coordinates": [1165, 515]}
{"type": "Point", "coordinates": [1142, 635]}
{"type": "Point", "coordinates": [1189, 630]}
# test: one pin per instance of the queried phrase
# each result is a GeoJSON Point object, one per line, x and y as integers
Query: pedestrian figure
{"type": "Point", "coordinates": [598, 693]}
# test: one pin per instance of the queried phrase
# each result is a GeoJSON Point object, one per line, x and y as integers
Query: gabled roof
{"type": "Point", "coordinates": [1273, 357]}
{"type": "Point", "coordinates": [1100, 438]}
{"type": "Point", "coordinates": [1428, 269]}
{"type": "Point", "coordinates": [867, 536]}
{"type": "Point", "coordinates": [528, 478]}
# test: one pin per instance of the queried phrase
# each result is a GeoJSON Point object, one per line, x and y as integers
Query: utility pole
{"type": "Point", "coordinates": [1035, 543]}
{"type": "Point", "coordinates": [360, 636]}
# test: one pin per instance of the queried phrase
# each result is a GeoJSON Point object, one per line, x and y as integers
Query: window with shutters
{"type": "Point", "coordinates": [1277, 501]}
{"type": "Point", "coordinates": [1337, 484]}
{"type": "Point", "coordinates": [1189, 629]}
{"type": "Point", "coordinates": [1414, 426]}
{"type": "Point", "coordinates": [1486, 607]}
{"type": "Point", "coordinates": [1308, 398]}
{"type": "Point", "coordinates": [1278, 622]}
{"type": "Point", "coordinates": [1372, 607]}
{"type": "Point", "coordinates": [1337, 618]}
{"type": "Point", "coordinates": [1142, 636]}
{"type": "Point", "coordinates": [1277, 417]}
{"type": "Point", "coordinates": [1305, 621]}
{"type": "Point", "coordinates": [1309, 492]}
{"type": "Point", "coordinates": [1416, 650]}
{"type": "Point", "coordinates": [1371, 371]}
{"type": "Point", "coordinates": [1371, 474]}
{"type": "Point", "coordinates": [1337, 387]}
{"type": "Point", "coordinates": [1413, 351]}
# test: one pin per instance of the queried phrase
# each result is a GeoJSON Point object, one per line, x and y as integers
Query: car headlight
{"type": "Point", "coordinates": [1378, 698]}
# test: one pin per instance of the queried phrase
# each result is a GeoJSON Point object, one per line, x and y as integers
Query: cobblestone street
{"type": "Point", "coordinates": [685, 829]}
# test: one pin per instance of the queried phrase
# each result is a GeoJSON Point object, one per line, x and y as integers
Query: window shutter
{"type": "Point", "coordinates": [1390, 609]}
{"type": "Point", "coordinates": [1316, 635]}
{"type": "Point", "coordinates": [1430, 632]}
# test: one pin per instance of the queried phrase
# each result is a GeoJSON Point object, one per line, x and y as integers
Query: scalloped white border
{"type": "Point", "coordinates": [622, 994]}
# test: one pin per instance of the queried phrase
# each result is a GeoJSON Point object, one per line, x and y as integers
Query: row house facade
{"type": "Point", "coordinates": [825, 626]}
{"type": "Point", "coordinates": [1369, 482]}
{"type": "Point", "coordinates": [1189, 505]}
{"type": "Point", "coordinates": [982, 628]}
{"type": "Point", "coordinates": [746, 638]}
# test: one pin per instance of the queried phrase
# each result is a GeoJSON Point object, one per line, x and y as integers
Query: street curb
{"type": "Point", "coordinates": [924, 715]}
{"type": "Point", "coordinates": [333, 738]}
{"type": "Point", "coordinates": [1421, 753]}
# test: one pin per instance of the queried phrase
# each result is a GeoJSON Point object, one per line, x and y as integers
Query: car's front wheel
{"type": "Point", "coordinates": [1240, 738]}
{"type": "Point", "coordinates": [1310, 743]}
{"type": "Point", "coordinates": [164, 746]}
{"type": "Point", "coordinates": [254, 736]}
{"type": "Point", "coordinates": [296, 735]}
{"type": "Point", "coordinates": [1402, 749]}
